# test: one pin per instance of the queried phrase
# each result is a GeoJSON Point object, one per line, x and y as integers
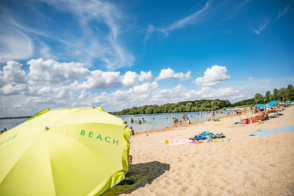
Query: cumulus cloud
{"type": "Point", "coordinates": [105, 80]}
{"type": "Point", "coordinates": [250, 78]}
{"type": "Point", "coordinates": [170, 74]}
{"type": "Point", "coordinates": [12, 74]}
{"type": "Point", "coordinates": [11, 89]}
{"type": "Point", "coordinates": [180, 88]}
{"type": "Point", "coordinates": [215, 75]}
{"type": "Point", "coordinates": [51, 71]}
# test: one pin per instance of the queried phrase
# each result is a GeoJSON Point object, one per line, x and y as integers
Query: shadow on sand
{"type": "Point", "coordinates": [142, 173]}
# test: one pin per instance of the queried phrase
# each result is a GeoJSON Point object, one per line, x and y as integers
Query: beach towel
{"type": "Point", "coordinates": [235, 123]}
{"type": "Point", "coordinates": [272, 131]}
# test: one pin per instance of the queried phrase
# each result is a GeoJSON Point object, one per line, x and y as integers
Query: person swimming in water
{"type": "Point", "coordinates": [132, 120]}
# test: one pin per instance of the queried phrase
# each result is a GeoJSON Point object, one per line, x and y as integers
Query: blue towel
{"type": "Point", "coordinates": [272, 131]}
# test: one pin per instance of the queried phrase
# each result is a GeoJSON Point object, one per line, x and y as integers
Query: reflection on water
{"type": "Point", "coordinates": [153, 121]}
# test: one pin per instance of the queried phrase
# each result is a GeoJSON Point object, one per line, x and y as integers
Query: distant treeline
{"type": "Point", "coordinates": [184, 106]}
{"type": "Point", "coordinates": [283, 94]}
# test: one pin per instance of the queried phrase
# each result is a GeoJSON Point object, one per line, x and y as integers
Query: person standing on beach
{"type": "Point", "coordinates": [213, 115]}
{"type": "Point", "coordinates": [132, 130]}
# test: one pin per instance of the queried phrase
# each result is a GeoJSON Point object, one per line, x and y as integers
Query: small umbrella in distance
{"type": "Point", "coordinates": [75, 151]}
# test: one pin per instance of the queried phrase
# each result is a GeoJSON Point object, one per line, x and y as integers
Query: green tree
{"type": "Point", "coordinates": [275, 95]}
{"type": "Point", "coordinates": [268, 96]}
{"type": "Point", "coordinates": [290, 93]}
{"type": "Point", "coordinates": [207, 104]}
{"type": "Point", "coordinates": [149, 110]}
{"type": "Point", "coordinates": [258, 98]}
{"type": "Point", "coordinates": [282, 93]}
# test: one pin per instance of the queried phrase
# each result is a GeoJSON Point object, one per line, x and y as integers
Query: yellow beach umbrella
{"type": "Point", "coordinates": [74, 151]}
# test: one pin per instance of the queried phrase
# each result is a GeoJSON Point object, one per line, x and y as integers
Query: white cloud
{"type": "Point", "coordinates": [282, 13]}
{"type": "Point", "coordinates": [250, 78]}
{"type": "Point", "coordinates": [51, 71]}
{"type": "Point", "coordinates": [180, 88]}
{"type": "Point", "coordinates": [261, 27]}
{"type": "Point", "coordinates": [192, 18]}
{"type": "Point", "coordinates": [15, 45]}
{"type": "Point", "coordinates": [93, 34]}
{"type": "Point", "coordinates": [170, 74]}
{"type": "Point", "coordinates": [215, 75]}
{"type": "Point", "coordinates": [114, 54]}
{"type": "Point", "coordinates": [189, 19]}
{"type": "Point", "coordinates": [10, 89]}
{"type": "Point", "coordinates": [12, 74]}
{"type": "Point", "coordinates": [105, 80]}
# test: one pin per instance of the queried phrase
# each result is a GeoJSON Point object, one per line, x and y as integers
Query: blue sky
{"type": "Point", "coordinates": [120, 54]}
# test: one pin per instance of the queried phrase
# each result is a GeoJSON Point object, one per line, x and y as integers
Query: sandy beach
{"type": "Point", "coordinates": [245, 165]}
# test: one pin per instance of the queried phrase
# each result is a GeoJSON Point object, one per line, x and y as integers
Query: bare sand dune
{"type": "Point", "coordinates": [246, 165]}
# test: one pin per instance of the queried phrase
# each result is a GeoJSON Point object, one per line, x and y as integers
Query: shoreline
{"type": "Point", "coordinates": [174, 127]}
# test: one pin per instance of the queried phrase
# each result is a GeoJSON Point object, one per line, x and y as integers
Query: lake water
{"type": "Point", "coordinates": [153, 121]}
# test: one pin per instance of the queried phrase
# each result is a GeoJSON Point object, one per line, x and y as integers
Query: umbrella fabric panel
{"type": "Point", "coordinates": [126, 148]}
{"type": "Point", "coordinates": [31, 175]}
{"type": "Point", "coordinates": [272, 102]}
{"type": "Point", "coordinates": [12, 146]}
{"type": "Point", "coordinates": [104, 139]}
{"type": "Point", "coordinates": [47, 118]}
{"type": "Point", "coordinates": [87, 116]}
{"type": "Point", "coordinates": [76, 170]}
{"type": "Point", "coordinates": [260, 105]}
{"type": "Point", "coordinates": [57, 165]}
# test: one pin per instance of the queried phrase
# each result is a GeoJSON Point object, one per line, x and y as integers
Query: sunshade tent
{"type": "Point", "coordinates": [83, 151]}
{"type": "Point", "coordinates": [271, 103]}
{"type": "Point", "coordinates": [260, 105]}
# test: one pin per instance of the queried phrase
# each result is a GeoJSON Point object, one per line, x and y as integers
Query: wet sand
{"type": "Point", "coordinates": [245, 165]}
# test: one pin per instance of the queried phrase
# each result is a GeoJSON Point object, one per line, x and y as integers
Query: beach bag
{"type": "Point", "coordinates": [220, 135]}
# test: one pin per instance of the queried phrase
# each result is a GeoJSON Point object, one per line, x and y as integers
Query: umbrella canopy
{"type": "Point", "coordinates": [271, 103]}
{"type": "Point", "coordinates": [78, 151]}
{"type": "Point", "coordinates": [260, 105]}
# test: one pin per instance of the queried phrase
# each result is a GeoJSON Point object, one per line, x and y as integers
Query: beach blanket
{"type": "Point", "coordinates": [235, 123]}
{"type": "Point", "coordinates": [181, 141]}
{"type": "Point", "coordinates": [272, 131]}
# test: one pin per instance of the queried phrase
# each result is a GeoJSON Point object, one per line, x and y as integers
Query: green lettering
{"type": "Point", "coordinates": [14, 136]}
{"type": "Point", "coordinates": [107, 140]}
{"type": "Point", "coordinates": [8, 139]}
{"type": "Point", "coordinates": [82, 132]}
{"type": "Point", "coordinates": [115, 141]}
{"type": "Point", "coordinates": [99, 137]}
{"type": "Point", "coordinates": [91, 134]}
{"type": "Point", "coordinates": [1, 142]}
